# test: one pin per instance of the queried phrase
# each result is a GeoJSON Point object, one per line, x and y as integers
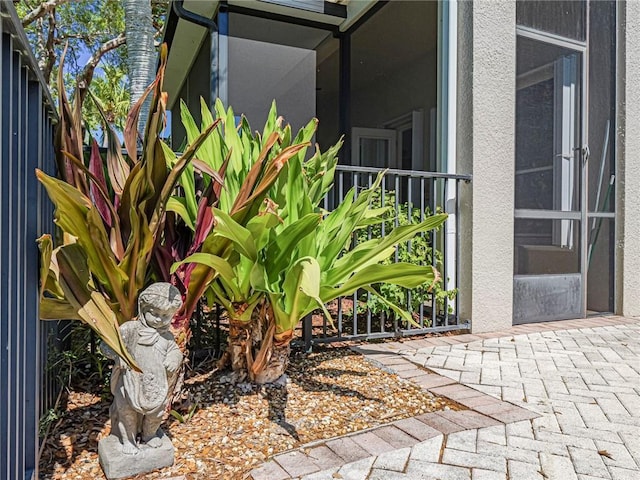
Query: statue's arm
{"type": "Point", "coordinates": [173, 358]}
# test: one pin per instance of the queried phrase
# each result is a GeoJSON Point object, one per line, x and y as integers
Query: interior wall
{"type": "Point", "coordinates": [196, 85]}
{"type": "Point", "coordinates": [260, 72]}
{"type": "Point", "coordinates": [394, 67]}
{"type": "Point", "coordinates": [327, 96]}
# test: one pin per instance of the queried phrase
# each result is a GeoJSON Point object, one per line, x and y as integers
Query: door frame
{"type": "Point", "coordinates": [580, 214]}
{"type": "Point", "coordinates": [390, 135]}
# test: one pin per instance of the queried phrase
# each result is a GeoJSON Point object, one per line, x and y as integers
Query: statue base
{"type": "Point", "coordinates": [116, 464]}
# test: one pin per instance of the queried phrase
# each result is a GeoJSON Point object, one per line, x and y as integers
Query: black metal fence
{"type": "Point", "coordinates": [26, 116]}
{"type": "Point", "coordinates": [409, 196]}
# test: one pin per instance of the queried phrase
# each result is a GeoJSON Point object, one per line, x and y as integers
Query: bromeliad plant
{"type": "Point", "coordinates": [250, 164]}
{"type": "Point", "coordinates": [110, 228]}
{"type": "Point", "coordinates": [286, 255]}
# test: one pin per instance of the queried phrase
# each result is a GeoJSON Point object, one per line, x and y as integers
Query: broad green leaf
{"type": "Point", "coordinates": [404, 274]}
{"type": "Point", "coordinates": [301, 288]}
{"type": "Point", "coordinates": [280, 252]}
{"type": "Point", "coordinates": [178, 206]}
{"type": "Point", "coordinates": [191, 129]}
{"type": "Point", "coordinates": [90, 305]}
{"type": "Point", "coordinates": [310, 285]}
{"type": "Point", "coordinates": [260, 226]}
{"type": "Point", "coordinates": [270, 125]}
{"type": "Point", "coordinates": [218, 264]}
{"type": "Point", "coordinates": [399, 311]}
{"type": "Point", "coordinates": [57, 309]}
{"type": "Point", "coordinates": [363, 255]}
{"type": "Point", "coordinates": [211, 151]}
{"type": "Point", "coordinates": [259, 280]}
{"type": "Point", "coordinates": [45, 245]}
{"type": "Point", "coordinates": [228, 228]}
{"type": "Point", "coordinates": [243, 275]}
{"type": "Point", "coordinates": [356, 259]}
{"type": "Point", "coordinates": [187, 182]}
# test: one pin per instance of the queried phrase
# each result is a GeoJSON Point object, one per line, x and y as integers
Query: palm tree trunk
{"type": "Point", "coordinates": [254, 350]}
{"type": "Point", "coordinates": [239, 344]}
{"type": "Point", "coordinates": [141, 52]}
{"type": "Point", "coordinates": [276, 365]}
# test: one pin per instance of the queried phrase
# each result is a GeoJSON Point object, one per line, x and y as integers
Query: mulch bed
{"type": "Point", "coordinates": [234, 428]}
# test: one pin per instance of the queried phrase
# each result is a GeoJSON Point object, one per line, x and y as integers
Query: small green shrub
{"type": "Point", "coordinates": [417, 252]}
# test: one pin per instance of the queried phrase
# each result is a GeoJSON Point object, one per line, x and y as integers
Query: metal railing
{"type": "Point", "coordinates": [410, 196]}
{"type": "Point", "coordinates": [26, 117]}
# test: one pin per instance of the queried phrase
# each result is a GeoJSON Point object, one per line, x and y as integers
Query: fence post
{"type": "Point", "coordinates": [307, 333]}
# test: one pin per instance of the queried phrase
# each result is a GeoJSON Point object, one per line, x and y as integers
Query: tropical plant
{"type": "Point", "coordinates": [110, 227]}
{"type": "Point", "coordinates": [250, 165]}
{"type": "Point", "coordinates": [110, 102]}
{"type": "Point", "coordinates": [417, 252]}
{"type": "Point", "coordinates": [287, 255]}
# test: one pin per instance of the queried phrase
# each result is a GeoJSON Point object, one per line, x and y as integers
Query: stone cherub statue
{"type": "Point", "coordinates": [140, 399]}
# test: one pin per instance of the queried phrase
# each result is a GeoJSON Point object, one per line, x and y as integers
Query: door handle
{"type": "Point", "coordinates": [585, 152]}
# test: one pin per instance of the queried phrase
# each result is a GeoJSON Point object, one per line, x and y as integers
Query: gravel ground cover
{"type": "Point", "coordinates": [226, 429]}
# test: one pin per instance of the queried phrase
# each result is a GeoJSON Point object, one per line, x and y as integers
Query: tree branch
{"type": "Point", "coordinates": [40, 45]}
{"type": "Point", "coordinates": [62, 37]}
{"type": "Point", "coordinates": [85, 77]}
{"type": "Point", "coordinates": [49, 51]}
{"type": "Point", "coordinates": [41, 11]}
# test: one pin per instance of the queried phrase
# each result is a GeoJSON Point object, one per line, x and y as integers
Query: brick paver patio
{"type": "Point", "coordinates": [556, 400]}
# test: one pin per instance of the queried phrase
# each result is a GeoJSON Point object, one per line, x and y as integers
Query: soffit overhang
{"type": "Point", "coordinates": [185, 38]}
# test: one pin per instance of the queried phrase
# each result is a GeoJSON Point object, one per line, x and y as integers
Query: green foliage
{"type": "Point", "coordinates": [85, 26]}
{"type": "Point", "coordinates": [188, 415]}
{"type": "Point", "coordinates": [111, 230]}
{"type": "Point", "coordinates": [112, 92]}
{"type": "Point", "coordinates": [273, 249]}
{"type": "Point", "coordinates": [47, 420]}
{"type": "Point", "coordinates": [416, 252]}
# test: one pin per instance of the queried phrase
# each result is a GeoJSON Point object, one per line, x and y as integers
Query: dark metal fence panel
{"type": "Point", "coordinates": [410, 196]}
{"type": "Point", "coordinates": [26, 110]}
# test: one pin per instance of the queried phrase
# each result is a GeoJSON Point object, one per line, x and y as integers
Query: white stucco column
{"type": "Point", "coordinates": [486, 136]}
{"type": "Point", "coordinates": [628, 167]}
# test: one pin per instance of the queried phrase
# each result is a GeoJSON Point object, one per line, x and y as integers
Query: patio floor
{"type": "Point", "coordinates": [557, 400]}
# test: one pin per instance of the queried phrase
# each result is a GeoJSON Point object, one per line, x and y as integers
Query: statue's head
{"type": "Point", "coordinates": [158, 303]}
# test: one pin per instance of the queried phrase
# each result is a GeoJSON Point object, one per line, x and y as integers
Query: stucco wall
{"type": "Point", "coordinates": [486, 112]}
{"type": "Point", "coordinates": [628, 246]}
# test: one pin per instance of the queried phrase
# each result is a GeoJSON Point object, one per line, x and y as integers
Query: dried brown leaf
{"type": "Point", "coordinates": [604, 453]}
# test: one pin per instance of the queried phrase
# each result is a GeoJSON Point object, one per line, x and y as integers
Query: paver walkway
{"type": "Point", "coordinates": [552, 401]}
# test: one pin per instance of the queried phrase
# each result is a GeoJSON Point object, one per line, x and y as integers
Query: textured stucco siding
{"type": "Point", "coordinates": [628, 246]}
{"type": "Point", "coordinates": [486, 109]}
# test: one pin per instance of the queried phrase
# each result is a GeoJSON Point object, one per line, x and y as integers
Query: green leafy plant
{"type": "Point", "coordinates": [110, 227]}
{"type": "Point", "coordinates": [416, 252]}
{"type": "Point", "coordinates": [47, 420]}
{"type": "Point", "coordinates": [184, 418]}
{"type": "Point", "coordinates": [250, 164]}
{"type": "Point", "coordinates": [273, 262]}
